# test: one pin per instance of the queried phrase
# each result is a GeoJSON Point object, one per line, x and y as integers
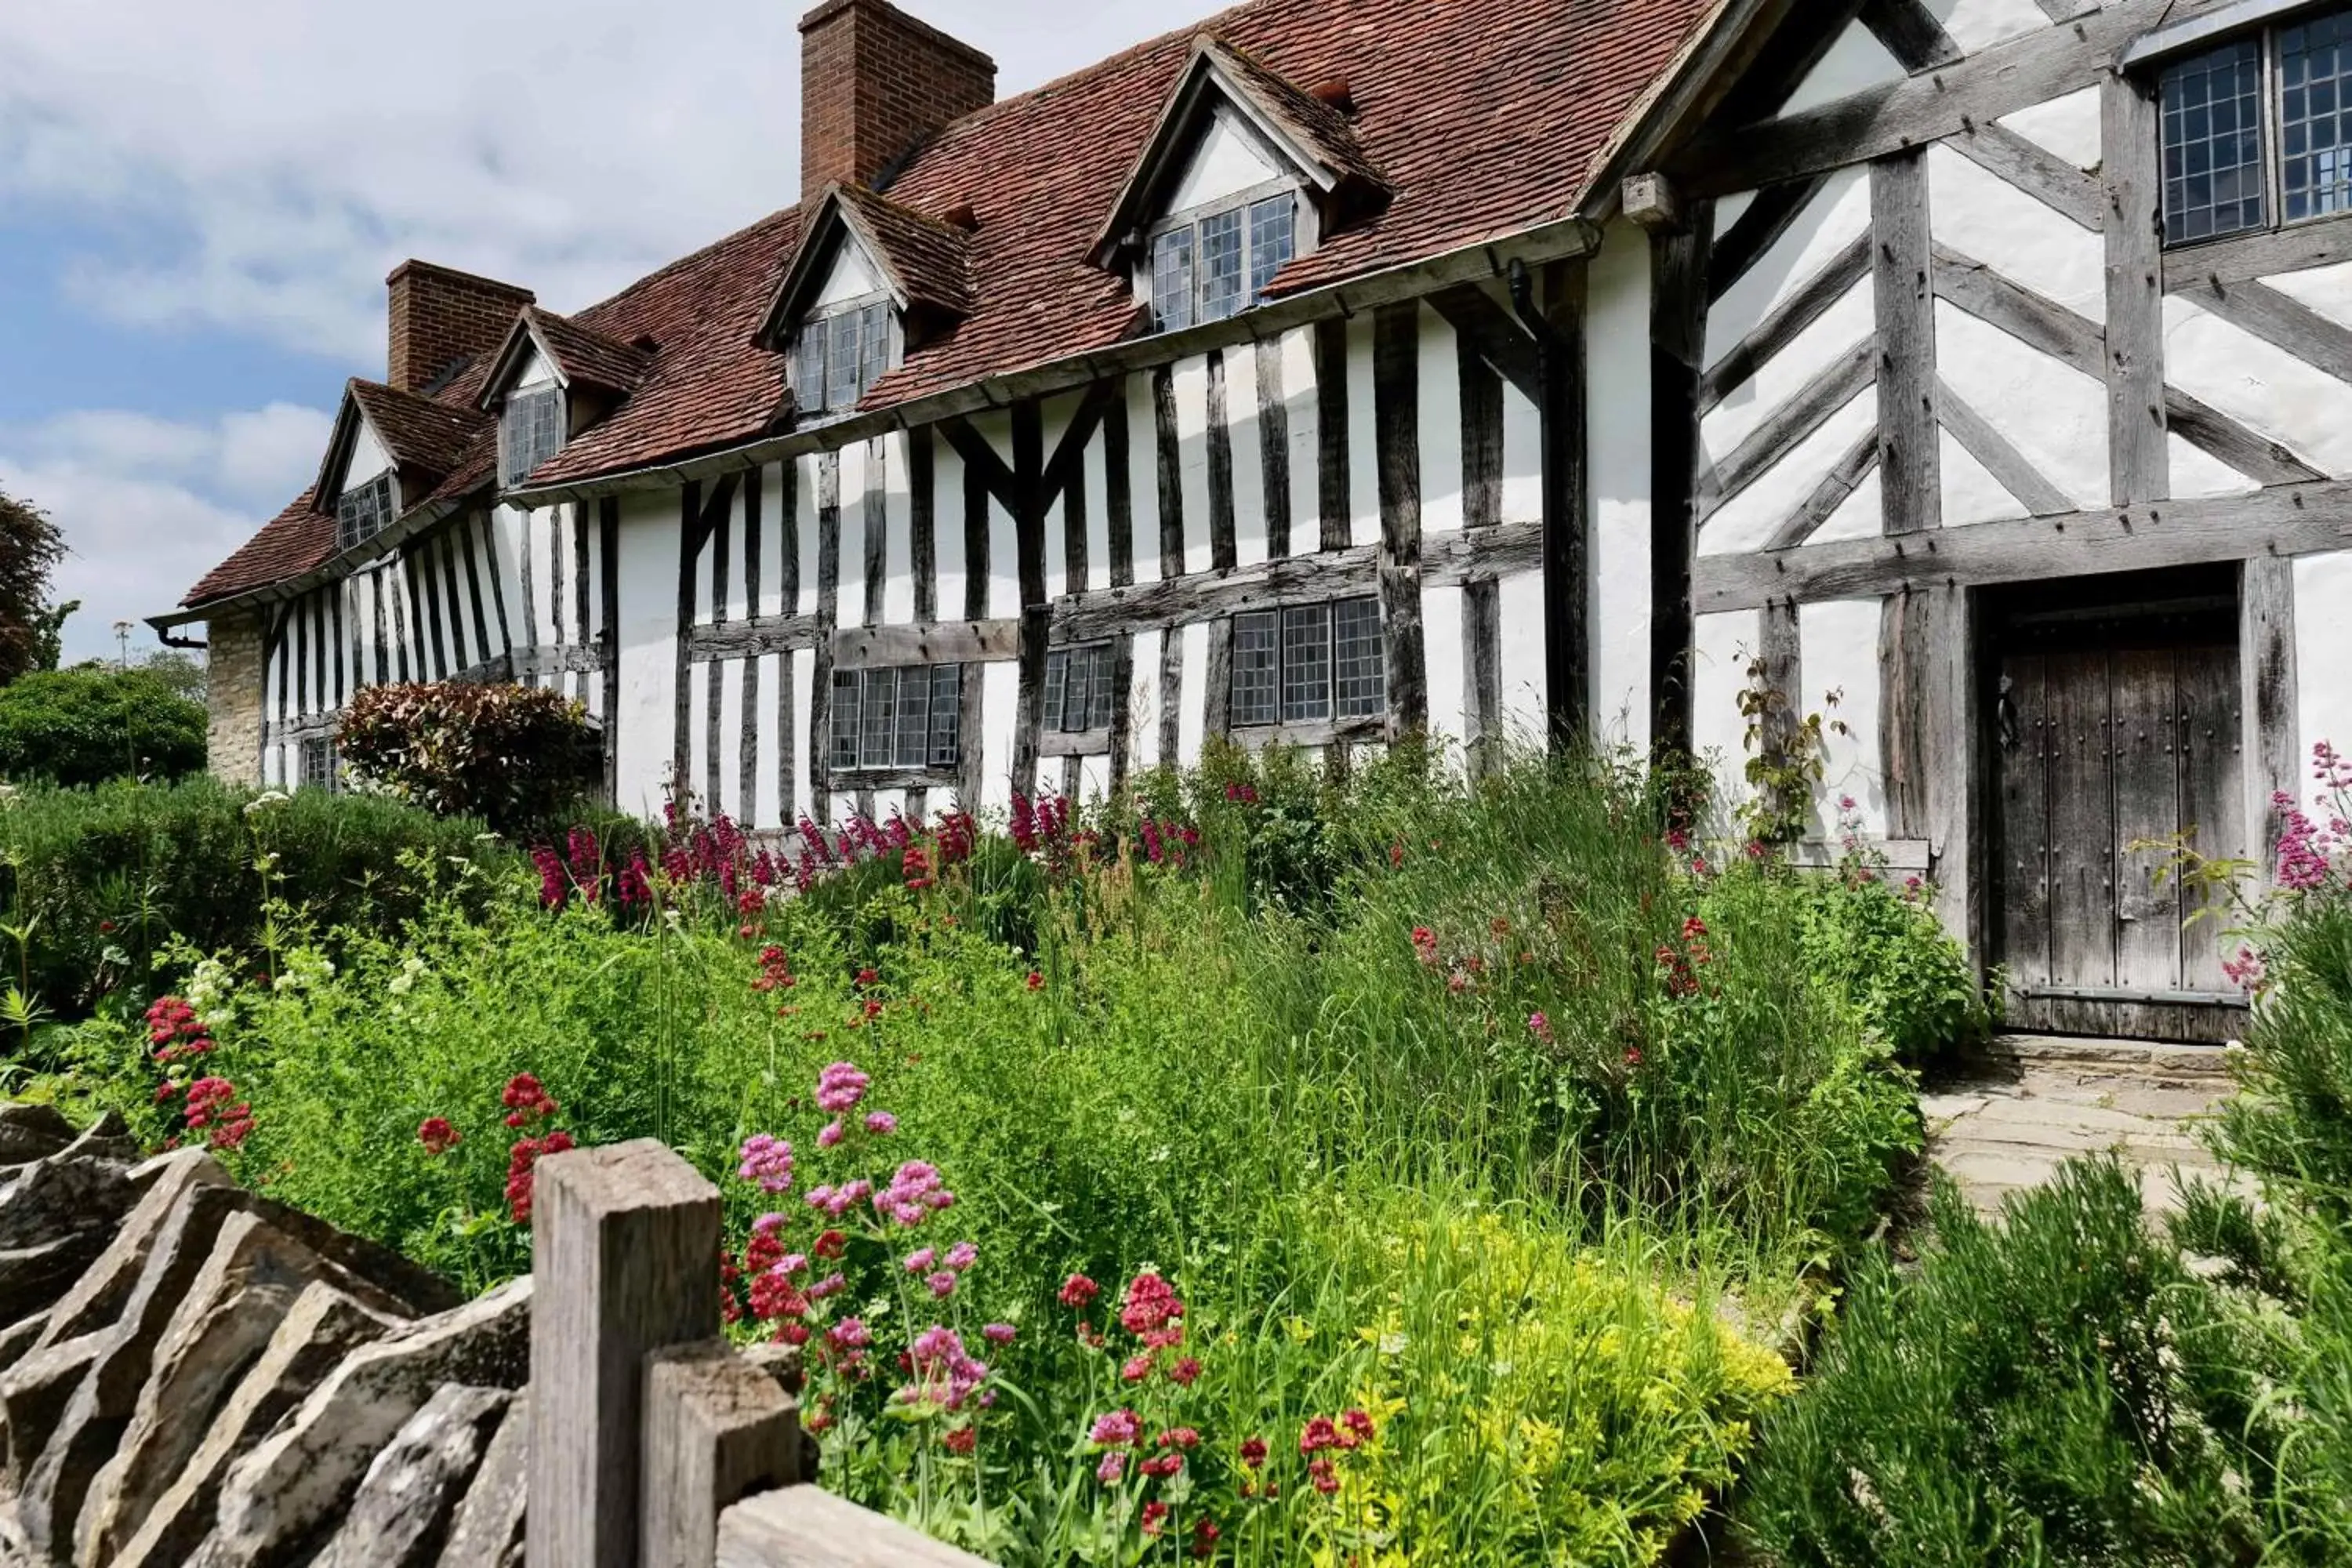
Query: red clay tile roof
{"type": "Point", "coordinates": [587, 355]}
{"type": "Point", "coordinates": [1482, 120]}
{"type": "Point", "coordinates": [930, 260]}
{"type": "Point", "coordinates": [421, 433]}
{"type": "Point", "coordinates": [1322, 129]}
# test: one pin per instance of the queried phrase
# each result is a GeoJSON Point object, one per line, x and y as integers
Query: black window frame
{"type": "Point", "coordinates": [365, 509]}
{"type": "Point", "coordinates": [1288, 664]}
{"type": "Point", "coordinates": [317, 764]}
{"type": "Point", "coordinates": [1190, 230]}
{"type": "Point", "coordinates": [931, 744]}
{"type": "Point", "coordinates": [1090, 665]}
{"type": "Point", "coordinates": [873, 327]}
{"type": "Point", "coordinates": [2273, 131]}
{"type": "Point", "coordinates": [534, 424]}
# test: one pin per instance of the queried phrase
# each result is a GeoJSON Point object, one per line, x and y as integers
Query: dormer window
{"type": "Point", "coordinates": [530, 431]}
{"type": "Point", "coordinates": [363, 511]}
{"type": "Point", "coordinates": [842, 353]}
{"type": "Point", "coordinates": [1208, 264]}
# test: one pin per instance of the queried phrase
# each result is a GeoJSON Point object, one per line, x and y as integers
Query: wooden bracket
{"type": "Point", "coordinates": [1652, 201]}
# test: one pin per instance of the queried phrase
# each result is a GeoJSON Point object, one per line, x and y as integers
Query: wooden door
{"type": "Point", "coordinates": [2115, 728]}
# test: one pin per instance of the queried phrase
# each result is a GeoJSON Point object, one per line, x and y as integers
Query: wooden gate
{"type": "Point", "coordinates": [2115, 722]}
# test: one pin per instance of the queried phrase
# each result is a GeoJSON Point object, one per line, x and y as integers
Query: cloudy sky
{"type": "Point", "coordinates": [199, 200]}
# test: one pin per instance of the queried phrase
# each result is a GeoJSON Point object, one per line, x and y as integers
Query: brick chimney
{"type": "Point", "coordinates": [874, 84]}
{"type": "Point", "coordinates": [442, 318]}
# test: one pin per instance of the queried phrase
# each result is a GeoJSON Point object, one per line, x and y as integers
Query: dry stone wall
{"type": "Point", "coordinates": [193, 1374]}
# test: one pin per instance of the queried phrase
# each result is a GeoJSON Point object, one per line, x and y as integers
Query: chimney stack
{"type": "Point", "coordinates": [875, 84]}
{"type": "Point", "coordinates": [441, 319]}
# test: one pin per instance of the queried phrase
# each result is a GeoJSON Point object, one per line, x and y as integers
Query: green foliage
{"type": "Point", "coordinates": [30, 549]}
{"type": "Point", "coordinates": [2057, 1388]}
{"type": "Point", "coordinates": [103, 878]}
{"type": "Point", "coordinates": [95, 722]}
{"type": "Point", "coordinates": [2294, 1123]}
{"type": "Point", "coordinates": [1891, 961]}
{"type": "Point", "coordinates": [509, 754]}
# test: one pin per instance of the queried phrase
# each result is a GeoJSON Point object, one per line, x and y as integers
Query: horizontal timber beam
{"type": "Point", "coordinates": [2285, 520]}
{"type": "Point", "coordinates": [2247, 257]}
{"type": "Point", "coordinates": [950, 642]}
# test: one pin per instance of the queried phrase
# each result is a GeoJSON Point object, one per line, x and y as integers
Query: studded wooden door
{"type": "Point", "coordinates": [2116, 731]}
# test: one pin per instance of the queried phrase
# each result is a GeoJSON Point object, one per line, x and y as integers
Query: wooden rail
{"type": "Point", "coordinates": [654, 1443]}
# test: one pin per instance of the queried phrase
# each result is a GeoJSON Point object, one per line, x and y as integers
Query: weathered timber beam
{"type": "Point", "coordinates": [1999, 455]}
{"type": "Point", "coordinates": [1068, 465]}
{"type": "Point", "coordinates": [2244, 258]}
{"type": "Point", "coordinates": [1911, 33]}
{"type": "Point", "coordinates": [2281, 320]}
{"type": "Point", "coordinates": [2034, 321]}
{"type": "Point", "coordinates": [1448, 558]}
{"type": "Point", "coordinates": [1756, 231]}
{"type": "Point", "coordinates": [2285, 521]}
{"type": "Point", "coordinates": [1861, 461]}
{"type": "Point", "coordinates": [953, 642]}
{"type": "Point", "coordinates": [1498, 340]}
{"type": "Point", "coordinates": [2216, 434]}
{"type": "Point", "coordinates": [2138, 462]}
{"type": "Point", "coordinates": [572, 659]}
{"type": "Point", "coordinates": [760, 634]}
{"type": "Point", "coordinates": [1995, 81]}
{"type": "Point", "coordinates": [2035, 170]}
{"type": "Point", "coordinates": [981, 459]}
{"type": "Point", "coordinates": [1786, 325]}
{"type": "Point", "coordinates": [1652, 202]}
{"type": "Point", "coordinates": [1780, 432]}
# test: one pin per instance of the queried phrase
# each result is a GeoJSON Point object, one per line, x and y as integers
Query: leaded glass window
{"type": "Point", "coordinates": [1274, 224]}
{"type": "Point", "coordinates": [896, 718]}
{"type": "Point", "coordinates": [1077, 688]}
{"type": "Point", "coordinates": [318, 763]}
{"type": "Point", "coordinates": [841, 354]}
{"type": "Point", "coordinates": [1220, 265]}
{"type": "Point", "coordinates": [1172, 279]}
{"type": "Point", "coordinates": [1307, 664]}
{"type": "Point", "coordinates": [2315, 117]}
{"type": "Point", "coordinates": [363, 510]}
{"type": "Point", "coordinates": [1213, 264]}
{"type": "Point", "coordinates": [530, 431]}
{"type": "Point", "coordinates": [2213, 170]}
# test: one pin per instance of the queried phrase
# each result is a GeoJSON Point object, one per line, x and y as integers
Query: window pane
{"type": "Point", "coordinates": [875, 356]}
{"type": "Point", "coordinates": [914, 717]}
{"type": "Point", "coordinates": [1272, 230]}
{"type": "Point", "coordinates": [1057, 679]}
{"type": "Point", "coordinates": [2213, 144]}
{"type": "Point", "coordinates": [879, 731]}
{"type": "Point", "coordinates": [947, 711]}
{"type": "Point", "coordinates": [1255, 638]}
{"type": "Point", "coordinates": [809, 378]}
{"type": "Point", "coordinates": [846, 690]}
{"type": "Point", "coordinates": [1172, 279]}
{"type": "Point", "coordinates": [1362, 663]}
{"type": "Point", "coordinates": [1306, 664]}
{"type": "Point", "coordinates": [1220, 265]}
{"type": "Point", "coordinates": [1098, 693]}
{"type": "Point", "coordinates": [530, 431]}
{"type": "Point", "coordinates": [318, 761]}
{"type": "Point", "coordinates": [2315, 117]}
{"type": "Point", "coordinates": [841, 365]}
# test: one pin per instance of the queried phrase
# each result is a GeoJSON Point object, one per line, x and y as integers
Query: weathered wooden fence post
{"type": "Point", "coordinates": [719, 1428]}
{"type": "Point", "coordinates": [625, 1252]}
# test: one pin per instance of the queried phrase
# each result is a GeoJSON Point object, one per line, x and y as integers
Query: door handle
{"type": "Point", "coordinates": [2005, 715]}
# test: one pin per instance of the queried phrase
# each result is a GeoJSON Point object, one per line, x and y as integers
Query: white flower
{"type": "Point", "coordinates": [208, 991]}
{"type": "Point", "coordinates": [411, 970]}
{"type": "Point", "coordinates": [265, 800]}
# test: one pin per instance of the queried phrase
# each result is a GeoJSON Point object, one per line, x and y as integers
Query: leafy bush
{"type": "Point", "coordinates": [95, 722]}
{"type": "Point", "coordinates": [511, 756]}
{"type": "Point", "coordinates": [98, 880]}
{"type": "Point", "coordinates": [1886, 955]}
{"type": "Point", "coordinates": [2056, 1388]}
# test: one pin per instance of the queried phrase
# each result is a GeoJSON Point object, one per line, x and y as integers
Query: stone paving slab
{"type": "Point", "coordinates": [2035, 1101]}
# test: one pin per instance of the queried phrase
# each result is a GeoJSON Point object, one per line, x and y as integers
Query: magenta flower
{"type": "Point", "coordinates": [831, 1285]}
{"type": "Point", "coordinates": [1113, 1465]}
{"type": "Point", "coordinates": [962, 1255]}
{"type": "Point", "coordinates": [849, 1334]}
{"type": "Point", "coordinates": [942, 1284]}
{"type": "Point", "coordinates": [832, 1135]}
{"type": "Point", "coordinates": [768, 1224]}
{"type": "Point", "coordinates": [1117, 1430]}
{"type": "Point", "coordinates": [881, 1122]}
{"type": "Point", "coordinates": [840, 1086]}
{"type": "Point", "coordinates": [999, 1334]}
{"type": "Point", "coordinates": [768, 1162]}
{"type": "Point", "coordinates": [921, 1260]}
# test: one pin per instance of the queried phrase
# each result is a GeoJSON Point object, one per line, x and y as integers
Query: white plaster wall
{"type": "Point", "coordinates": [368, 457]}
{"type": "Point", "coordinates": [1143, 702]}
{"type": "Point", "coordinates": [1000, 689]}
{"type": "Point", "coordinates": [768, 806]}
{"type": "Point", "coordinates": [1191, 384]}
{"type": "Point", "coordinates": [851, 604]}
{"type": "Point", "coordinates": [2067, 126]}
{"type": "Point", "coordinates": [1363, 431]}
{"type": "Point", "coordinates": [1617, 419]}
{"type": "Point", "coordinates": [2197, 473]}
{"type": "Point", "coordinates": [1838, 650]}
{"type": "Point", "coordinates": [536, 372]}
{"type": "Point", "coordinates": [1143, 479]}
{"type": "Point", "coordinates": [1224, 162]}
{"type": "Point", "coordinates": [2269, 390]}
{"type": "Point", "coordinates": [1191, 723]}
{"type": "Point", "coordinates": [851, 275]}
{"type": "Point", "coordinates": [1970, 493]}
{"type": "Point", "coordinates": [1722, 645]}
{"type": "Point", "coordinates": [2323, 653]}
{"type": "Point", "coordinates": [1304, 415]}
{"type": "Point", "coordinates": [2051, 413]}
{"type": "Point", "coordinates": [1830, 222]}
{"type": "Point", "coordinates": [1450, 697]}
{"type": "Point", "coordinates": [1861, 515]}
{"type": "Point", "coordinates": [804, 695]}
{"type": "Point", "coordinates": [648, 649]}
{"type": "Point", "coordinates": [1746, 521]}
{"type": "Point", "coordinates": [2326, 289]}
{"type": "Point", "coordinates": [1247, 437]}
{"type": "Point", "coordinates": [1850, 322]}
{"type": "Point", "coordinates": [1518, 605]}
{"type": "Point", "coordinates": [947, 537]}
{"type": "Point", "coordinates": [1974, 24]}
{"type": "Point", "coordinates": [1096, 477]}
{"type": "Point", "coordinates": [1439, 418]}
{"type": "Point", "coordinates": [897, 525]}
{"type": "Point", "coordinates": [1986, 218]}
{"type": "Point", "coordinates": [731, 720]}
{"type": "Point", "coordinates": [1857, 60]}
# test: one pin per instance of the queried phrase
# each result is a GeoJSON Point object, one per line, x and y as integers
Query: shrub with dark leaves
{"type": "Point", "coordinates": [511, 756]}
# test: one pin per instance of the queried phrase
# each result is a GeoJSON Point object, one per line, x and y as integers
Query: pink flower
{"type": "Point", "coordinates": [881, 1122]}
{"type": "Point", "coordinates": [849, 1334]}
{"type": "Point", "coordinates": [1185, 1373]}
{"type": "Point", "coordinates": [840, 1086]}
{"type": "Point", "coordinates": [921, 1260]}
{"type": "Point", "coordinates": [831, 1285]}
{"type": "Point", "coordinates": [768, 1162]}
{"type": "Point", "coordinates": [1317, 1434]}
{"type": "Point", "coordinates": [942, 1284]}
{"type": "Point", "coordinates": [1113, 1465]}
{"type": "Point", "coordinates": [1180, 1437]}
{"type": "Point", "coordinates": [1077, 1290]}
{"type": "Point", "coordinates": [999, 1334]}
{"type": "Point", "coordinates": [1151, 1301]}
{"type": "Point", "coordinates": [1118, 1429]}
{"type": "Point", "coordinates": [1539, 1026]}
{"type": "Point", "coordinates": [915, 1193]}
{"type": "Point", "coordinates": [831, 1134]}
{"type": "Point", "coordinates": [1137, 1369]}
{"type": "Point", "coordinates": [768, 1224]}
{"type": "Point", "coordinates": [962, 1255]}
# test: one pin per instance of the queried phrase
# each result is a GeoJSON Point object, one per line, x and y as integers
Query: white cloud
{"type": "Point", "coordinates": [148, 506]}
{"type": "Point", "coordinates": [277, 157]}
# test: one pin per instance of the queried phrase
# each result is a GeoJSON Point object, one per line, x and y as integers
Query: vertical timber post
{"type": "Point", "coordinates": [624, 1260]}
{"type": "Point", "coordinates": [1679, 273]}
{"type": "Point", "coordinates": [718, 1426]}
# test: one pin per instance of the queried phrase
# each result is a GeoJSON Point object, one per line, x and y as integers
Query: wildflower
{"type": "Point", "coordinates": [961, 1256]}
{"type": "Point", "coordinates": [1036, 982]}
{"type": "Point", "coordinates": [770, 1223]}
{"type": "Point", "coordinates": [1396, 854]}
{"type": "Point", "coordinates": [831, 1285]}
{"type": "Point", "coordinates": [438, 1136]}
{"type": "Point", "coordinates": [1162, 1466]}
{"type": "Point", "coordinates": [2247, 971]}
{"type": "Point", "coordinates": [849, 1334]}
{"type": "Point", "coordinates": [775, 1296]}
{"type": "Point", "coordinates": [869, 977]}
{"type": "Point", "coordinates": [1317, 1434]}
{"type": "Point", "coordinates": [942, 1284]}
{"type": "Point", "coordinates": [768, 1161]}
{"type": "Point", "coordinates": [1113, 1465]}
{"type": "Point", "coordinates": [1179, 1437]}
{"type": "Point", "coordinates": [1539, 1026]}
{"type": "Point", "coordinates": [881, 1122]}
{"type": "Point", "coordinates": [1633, 1055]}
{"type": "Point", "coordinates": [1325, 1476]}
{"type": "Point", "coordinates": [831, 1134]}
{"type": "Point", "coordinates": [830, 1244]}
{"type": "Point", "coordinates": [840, 1086]}
{"type": "Point", "coordinates": [1252, 1452]}
{"type": "Point", "coordinates": [1204, 1538]}
{"type": "Point", "coordinates": [521, 1163]}
{"type": "Point", "coordinates": [1137, 1369]}
{"type": "Point", "coordinates": [1118, 1429]}
{"type": "Point", "coordinates": [1425, 943]}
{"type": "Point", "coordinates": [1359, 1427]}
{"type": "Point", "coordinates": [961, 1439]}
{"type": "Point", "coordinates": [919, 1261]}
{"type": "Point", "coordinates": [1155, 1516]}
{"type": "Point", "coordinates": [1152, 1303]}
{"type": "Point", "coordinates": [526, 1100]}
{"type": "Point", "coordinates": [999, 1334]}
{"type": "Point", "coordinates": [1078, 1291]}
{"type": "Point", "coordinates": [915, 1193]}
{"type": "Point", "coordinates": [165, 1091]}
{"type": "Point", "coordinates": [838, 1201]}
{"type": "Point", "coordinates": [1185, 1373]}
{"type": "Point", "coordinates": [917, 867]}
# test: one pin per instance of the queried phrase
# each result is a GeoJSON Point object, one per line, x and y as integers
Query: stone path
{"type": "Point", "coordinates": [2033, 1101]}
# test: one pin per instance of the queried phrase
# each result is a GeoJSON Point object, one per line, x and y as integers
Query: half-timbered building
{"type": "Point", "coordinates": [1976, 372]}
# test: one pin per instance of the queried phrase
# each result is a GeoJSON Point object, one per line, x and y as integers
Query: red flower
{"type": "Point", "coordinates": [525, 1100]}
{"type": "Point", "coordinates": [1185, 1373]}
{"type": "Point", "coordinates": [1078, 1291]}
{"type": "Point", "coordinates": [832, 1244]}
{"type": "Point", "coordinates": [1204, 1538]}
{"type": "Point", "coordinates": [1633, 1056]}
{"type": "Point", "coordinates": [1155, 1516]}
{"type": "Point", "coordinates": [1254, 1452]}
{"type": "Point", "coordinates": [520, 1163]}
{"type": "Point", "coordinates": [438, 1136]}
{"type": "Point", "coordinates": [1318, 1433]}
{"type": "Point", "coordinates": [869, 977]}
{"type": "Point", "coordinates": [1151, 1303]}
{"type": "Point", "coordinates": [1325, 1479]}
{"type": "Point", "coordinates": [1180, 1437]}
{"type": "Point", "coordinates": [963, 1439]}
{"type": "Point", "coordinates": [1036, 981]}
{"type": "Point", "coordinates": [1357, 1427]}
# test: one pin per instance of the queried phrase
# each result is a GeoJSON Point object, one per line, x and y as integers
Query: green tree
{"type": "Point", "coordinates": [95, 722]}
{"type": "Point", "coordinates": [30, 549]}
